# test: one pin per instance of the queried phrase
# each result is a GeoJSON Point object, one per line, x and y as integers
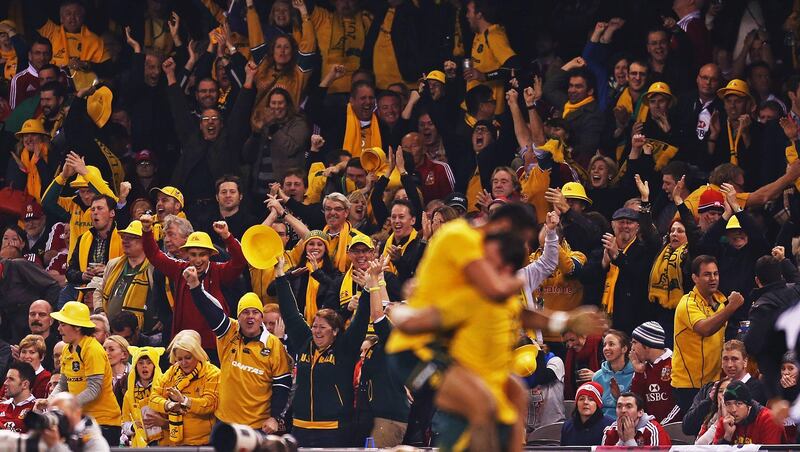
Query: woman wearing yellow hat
{"type": "Point", "coordinates": [188, 392]}
{"type": "Point", "coordinates": [662, 136]}
{"type": "Point", "coordinates": [85, 369]}
{"type": "Point", "coordinates": [31, 170]}
{"type": "Point", "coordinates": [314, 278]}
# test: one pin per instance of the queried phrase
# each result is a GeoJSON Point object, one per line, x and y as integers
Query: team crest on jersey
{"type": "Point", "coordinates": [23, 413]}
{"type": "Point", "coordinates": [345, 294]}
{"type": "Point", "coordinates": [480, 48]}
{"type": "Point", "coordinates": [666, 373]}
{"type": "Point", "coordinates": [76, 366]}
{"type": "Point", "coordinates": [265, 352]}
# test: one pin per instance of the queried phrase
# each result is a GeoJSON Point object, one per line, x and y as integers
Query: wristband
{"type": "Point", "coordinates": [374, 289]}
{"type": "Point", "coordinates": [381, 283]}
{"type": "Point", "coordinates": [558, 321]}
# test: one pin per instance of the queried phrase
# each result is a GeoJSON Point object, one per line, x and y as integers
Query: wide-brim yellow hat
{"type": "Point", "coordinates": [373, 159]}
{"type": "Point", "coordinates": [736, 87]}
{"type": "Point", "coordinates": [249, 300]}
{"type": "Point", "coordinates": [74, 313]}
{"type": "Point", "coordinates": [31, 126]}
{"type": "Point", "coordinates": [134, 228]}
{"type": "Point", "coordinates": [661, 88]}
{"type": "Point", "coordinates": [98, 105]}
{"type": "Point", "coordinates": [436, 75]}
{"type": "Point", "coordinates": [574, 190]}
{"type": "Point", "coordinates": [200, 239]}
{"type": "Point", "coordinates": [524, 361]}
{"type": "Point", "coordinates": [261, 246]}
{"type": "Point", "coordinates": [169, 191]}
{"type": "Point", "coordinates": [81, 182]}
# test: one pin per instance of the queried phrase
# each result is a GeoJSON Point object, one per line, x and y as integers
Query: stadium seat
{"type": "Point", "coordinates": [546, 435]}
{"type": "Point", "coordinates": [676, 434]}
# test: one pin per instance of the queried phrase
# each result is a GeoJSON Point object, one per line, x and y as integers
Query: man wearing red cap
{"type": "Point", "coordinates": [35, 227]}
{"type": "Point", "coordinates": [710, 208]}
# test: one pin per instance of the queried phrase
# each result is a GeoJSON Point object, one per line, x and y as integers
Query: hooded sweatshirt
{"type": "Point", "coordinates": [137, 396]}
{"type": "Point", "coordinates": [648, 433]}
{"type": "Point", "coordinates": [604, 376]}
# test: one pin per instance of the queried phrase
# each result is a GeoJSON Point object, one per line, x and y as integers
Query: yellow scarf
{"type": "Point", "coordinates": [353, 140]}
{"type": "Point", "coordinates": [666, 277]}
{"type": "Point", "coordinates": [569, 107]}
{"type": "Point", "coordinates": [11, 63]}
{"type": "Point", "coordinates": [338, 253]}
{"type": "Point", "coordinates": [136, 295]}
{"type": "Point", "coordinates": [346, 289]}
{"type": "Point", "coordinates": [734, 143]}
{"type": "Point", "coordinates": [638, 111]}
{"type": "Point", "coordinates": [611, 283]}
{"type": "Point", "coordinates": [137, 397]}
{"type": "Point", "coordinates": [662, 153]}
{"type": "Point", "coordinates": [311, 296]}
{"type": "Point", "coordinates": [390, 243]}
{"type": "Point", "coordinates": [182, 381]}
{"type": "Point", "coordinates": [114, 248]}
{"type": "Point", "coordinates": [29, 160]}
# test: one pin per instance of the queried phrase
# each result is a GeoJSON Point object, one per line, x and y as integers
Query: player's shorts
{"type": "Point", "coordinates": [421, 370]}
{"type": "Point", "coordinates": [452, 432]}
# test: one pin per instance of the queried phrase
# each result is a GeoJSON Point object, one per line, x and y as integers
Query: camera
{"type": "Point", "coordinates": [237, 437]}
{"type": "Point", "coordinates": [36, 423]}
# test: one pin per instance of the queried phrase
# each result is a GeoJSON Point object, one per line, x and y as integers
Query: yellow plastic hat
{"type": "Point", "coordinates": [169, 191]}
{"type": "Point", "coordinates": [249, 300]}
{"type": "Point", "coordinates": [736, 87]}
{"type": "Point", "coordinates": [373, 159]}
{"type": "Point", "coordinates": [31, 126]}
{"type": "Point", "coordinates": [200, 240]}
{"type": "Point", "coordinates": [9, 24]}
{"type": "Point", "coordinates": [660, 88]}
{"type": "Point", "coordinates": [363, 239]}
{"type": "Point", "coordinates": [81, 182]}
{"type": "Point", "coordinates": [134, 228]}
{"type": "Point", "coordinates": [98, 105]}
{"type": "Point", "coordinates": [74, 313]}
{"type": "Point", "coordinates": [436, 75]}
{"type": "Point", "coordinates": [574, 190]}
{"type": "Point", "coordinates": [524, 362]}
{"type": "Point", "coordinates": [261, 246]}
{"type": "Point", "coordinates": [733, 223]}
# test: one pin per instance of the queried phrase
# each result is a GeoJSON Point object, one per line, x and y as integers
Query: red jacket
{"type": "Point", "coordinates": [648, 433]}
{"type": "Point", "coordinates": [436, 179]}
{"type": "Point", "coordinates": [185, 315]}
{"type": "Point", "coordinates": [654, 387]}
{"type": "Point", "coordinates": [757, 428]}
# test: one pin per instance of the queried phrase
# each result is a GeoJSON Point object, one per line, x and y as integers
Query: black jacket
{"type": "Point", "coordinates": [763, 342]}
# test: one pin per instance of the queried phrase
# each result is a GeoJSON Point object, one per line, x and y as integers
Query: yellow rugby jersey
{"type": "Point", "coordinates": [490, 50]}
{"type": "Point", "coordinates": [247, 371]}
{"type": "Point", "coordinates": [86, 359]}
{"type": "Point", "coordinates": [441, 279]}
{"type": "Point", "coordinates": [485, 333]}
{"type": "Point", "coordinates": [696, 360]}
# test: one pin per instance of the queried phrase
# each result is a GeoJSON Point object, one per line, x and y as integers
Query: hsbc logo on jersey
{"type": "Point", "coordinates": [654, 393]}
{"type": "Point", "coordinates": [655, 387]}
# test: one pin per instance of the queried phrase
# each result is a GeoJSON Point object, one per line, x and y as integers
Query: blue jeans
{"type": "Point", "coordinates": [68, 293]}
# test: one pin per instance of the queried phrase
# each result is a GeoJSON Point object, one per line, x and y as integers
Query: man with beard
{"type": "Point", "coordinates": [35, 229]}
{"type": "Point", "coordinates": [746, 421]}
{"type": "Point", "coordinates": [213, 150]}
{"type": "Point", "coordinates": [51, 104]}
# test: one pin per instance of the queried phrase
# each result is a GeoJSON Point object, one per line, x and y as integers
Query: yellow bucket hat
{"type": "Point", "coordinates": [736, 87]}
{"type": "Point", "coordinates": [98, 105]}
{"type": "Point", "coordinates": [31, 126]}
{"type": "Point", "coordinates": [200, 239]}
{"type": "Point", "coordinates": [660, 88]}
{"type": "Point", "coordinates": [74, 313]}
{"type": "Point", "coordinates": [261, 246]}
{"type": "Point", "coordinates": [249, 300]}
{"type": "Point", "coordinates": [574, 190]}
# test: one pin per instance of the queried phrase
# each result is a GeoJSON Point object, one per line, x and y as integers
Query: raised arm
{"type": "Point", "coordinates": [296, 327]}
{"type": "Point", "coordinates": [210, 308]}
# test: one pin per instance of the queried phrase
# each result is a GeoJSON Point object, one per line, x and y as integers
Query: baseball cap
{"type": "Point", "coordinates": [456, 199]}
{"type": "Point", "coordinates": [33, 210]}
{"type": "Point", "coordinates": [362, 239]}
{"type": "Point", "coordinates": [144, 156]}
{"type": "Point", "coordinates": [169, 191]}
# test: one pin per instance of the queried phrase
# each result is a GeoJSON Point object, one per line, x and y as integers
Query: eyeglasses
{"type": "Point", "coordinates": [210, 118]}
{"type": "Point", "coordinates": [333, 209]}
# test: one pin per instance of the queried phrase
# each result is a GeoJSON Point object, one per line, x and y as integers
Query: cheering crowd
{"type": "Point", "coordinates": [389, 222]}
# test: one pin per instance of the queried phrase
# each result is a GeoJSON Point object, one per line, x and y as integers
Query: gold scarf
{"type": "Point", "coordinates": [91, 49]}
{"type": "Point", "coordinates": [136, 294]}
{"type": "Point", "coordinates": [390, 243]}
{"type": "Point", "coordinates": [182, 381]}
{"type": "Point", "coordinates": [611, 283]}
{"type": "Point", "coordinates": [339, 254]}
{"type": "Point", "coordinates": [353, 141]}
{"type": "Point", "coordinates": [311, 296]}
{"type": "Point", "coordinates": [114, 248]}
{"type": "Point", "coordinates": [346, 289]}
{"type": "Point", "coordinates": [666, 277]}
{"type": "Point", "coordinates": [734, 143]}
{"type": "Point", "coordinates": [28, 158]}
{"type": "Point", "coordinates": [638, 111]}
{"type": "Point", "coordinates": [569, 107]}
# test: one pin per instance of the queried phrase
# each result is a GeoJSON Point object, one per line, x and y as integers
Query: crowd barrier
{"type": "Point", "coordinates": [689, 448]}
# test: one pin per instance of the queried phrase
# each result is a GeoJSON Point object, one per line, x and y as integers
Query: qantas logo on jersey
{"type": "Point", "coordinates": [247, 368]}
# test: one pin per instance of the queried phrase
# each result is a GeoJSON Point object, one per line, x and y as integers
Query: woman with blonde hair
{"type": "Point", "coordinates": [116, 348]}
{"type": "Point", "coordinates": [32, 350]}
{"type": "Point", "coordinates": [187, 392]}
